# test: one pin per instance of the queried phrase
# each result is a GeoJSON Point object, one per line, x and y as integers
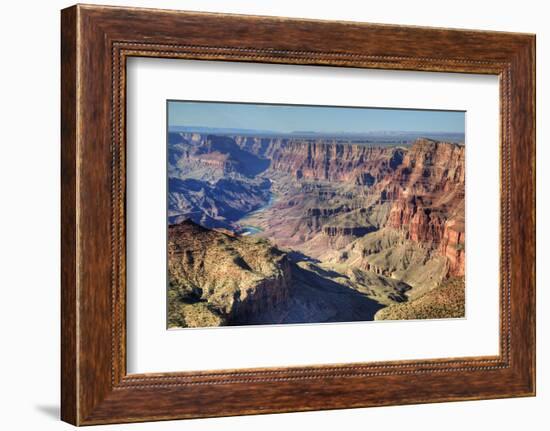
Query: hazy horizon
{"type": "Point", "coordinates": [287, 119]}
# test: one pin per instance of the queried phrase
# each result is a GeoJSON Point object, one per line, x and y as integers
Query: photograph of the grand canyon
{"type": "Point", "coordinates": [304, 214]}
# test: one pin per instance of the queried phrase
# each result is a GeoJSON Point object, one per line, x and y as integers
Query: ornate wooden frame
{"type": "Point", "coordinates": [95, 42]}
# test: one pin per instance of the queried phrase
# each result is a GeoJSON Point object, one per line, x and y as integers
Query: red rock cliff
{"type": "Point", "coordinates": [428, 193]}
{"type": "Point", "coordinates": [326, 160]}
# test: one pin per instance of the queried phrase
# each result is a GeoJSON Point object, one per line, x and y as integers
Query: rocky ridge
{"type": "Point", "coordinates": [217, 278]}
{"type": "Point", "coordinates": [231, 278]}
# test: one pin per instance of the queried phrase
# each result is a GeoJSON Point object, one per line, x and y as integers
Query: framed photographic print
{"type": "Point", "coordinates": [338, 222]}
{"type": "Point", "coordinates": [265, 215]}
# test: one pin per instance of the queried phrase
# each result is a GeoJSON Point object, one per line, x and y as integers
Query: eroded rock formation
{"type": "Point", "coordinates": [394, 212]}
{"type": "Point", "coordinates": [232, 278]}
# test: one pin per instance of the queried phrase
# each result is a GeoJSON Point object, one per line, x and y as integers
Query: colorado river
{"type": "Point", "coordinates": [250, 229]}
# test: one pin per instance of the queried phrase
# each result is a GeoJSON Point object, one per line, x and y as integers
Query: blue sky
{"type": "Point", "coordinates": [288, 118]}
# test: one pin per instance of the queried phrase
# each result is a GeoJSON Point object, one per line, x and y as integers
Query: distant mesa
{"type": "Point", "coordinates": [380, 137]}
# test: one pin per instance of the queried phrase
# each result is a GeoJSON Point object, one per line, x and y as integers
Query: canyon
{"type": "Point", "coordinates": [271, 229]}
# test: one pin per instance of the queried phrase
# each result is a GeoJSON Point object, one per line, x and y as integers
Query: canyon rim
{"type": "Point", "coordinates": [287, 214]}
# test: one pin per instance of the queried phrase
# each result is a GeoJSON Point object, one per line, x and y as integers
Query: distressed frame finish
{"type": "Point", "coordinates": [96, 41]}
